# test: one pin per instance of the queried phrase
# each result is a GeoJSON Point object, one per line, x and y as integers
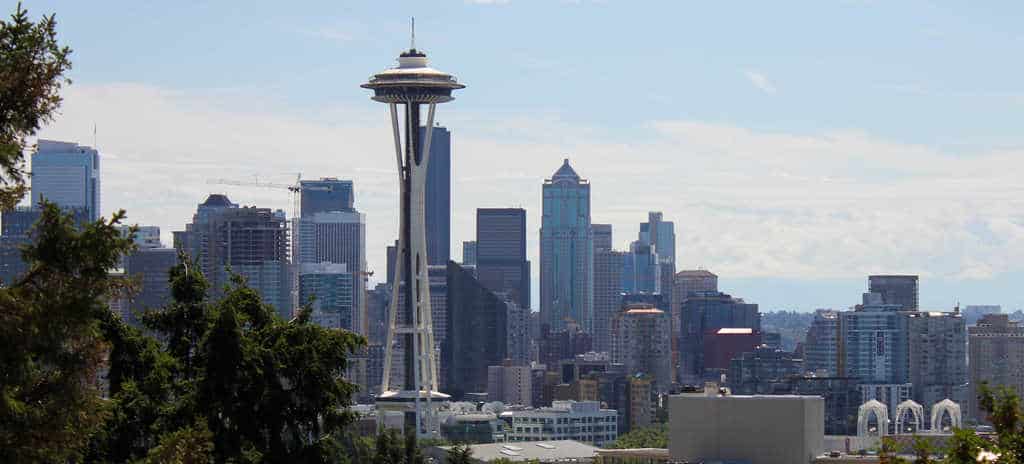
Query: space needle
{"type": "Point", "coordinates": [412, 84]}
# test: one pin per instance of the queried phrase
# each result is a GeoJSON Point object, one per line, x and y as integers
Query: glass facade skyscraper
{"type": "Point", "coordinates": [438, 201]}
{"type": "Point", "coordinates": [67, 174]}
{"type": "Point", "coordinates": [326, 194]}
{"type": "Point", "coordinates": [566, 251]}
{"type": "Point", "coordinates": [501, 252]}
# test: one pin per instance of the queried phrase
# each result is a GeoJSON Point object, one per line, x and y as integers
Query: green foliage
{"type": "Point", "coordinates": [32, 67]}
{"type": "Point", "coordinates": [50, 338]}
{"type": "Point", "coordinates": [1003, 409]}
{"type": "Point", "coordinates": [190, 445]}
{"type": "Point", "coordinates": [655, 436]}
{"type": "Point", "coordinates": [888, 452]}
{"type": "Point", "coordinates": [460, 454]}
{"type": "Point", "coordinates": [923, 451]}
{"type": "Point", "coordinates": [263, 389]}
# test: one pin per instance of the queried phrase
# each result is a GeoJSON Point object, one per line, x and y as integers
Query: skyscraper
{"type": "Point", "coordinates": [476, 332]}
{"type": "Point", "coordinates": [501, 252]}
{"type": "Point", "coordinates": [900, 290]}
{"type": "Point", "coordinates": [337, 237]}
{"type": "Point", "coordinates": [469, 253]}
{"type": "Point", "coordinates": [151, 267]}
{"type": "Point", "coordinates": [325, 195]}
{"type": "Point", "coordinates": [67, 174]}
{"type": "Point", "coordinates": [705, 312]}
{"type": "Point", "coordinates": [438, 199]}
{"type": "Point", "coordinates": [252, 242]}
{"type": "Point", "coordinates": [822, 343]}
{"type": "Point", "coordinates": [997, 356]}
{"type": "Point", "coordinates": [641, 272]}
{"type": "Point", "coordinates": [873, 343]}
{"type": "Point", "coordinates": [642, 343]}
{"type": "Point", "coordinates": [608, 266]}
{"type": "Point", "coordinates": [329, 289]}
{"type": "Point", "coordinates": [937, 356]}
{"type": "Point", "coordinates": [661, 234]}
{"type": "Point", "coordinates": [602, 236]}
{"type": "Point", "coordinates": [566, 251]}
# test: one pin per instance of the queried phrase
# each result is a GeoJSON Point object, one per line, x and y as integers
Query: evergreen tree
{"type": "Point", "coordinates": [265, 389]}
{"type": "Point", "coordinates": [32, 67]}
{"type": "Point", "coordinates": [51, 345]}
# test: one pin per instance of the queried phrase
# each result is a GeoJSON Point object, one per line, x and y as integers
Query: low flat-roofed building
{"type": "Point", "coordinates": [568, 451]}
{"type": "Point", "coordinates": [784, 429]}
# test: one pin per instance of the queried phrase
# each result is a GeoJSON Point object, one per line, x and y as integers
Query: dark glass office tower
{"type": "Point", "coordinates": [477, 333]}
{"type": "Point", "coordinates": [501, 252]}
{"type": "Point", "coordinates": [325, 195]}
{"type": "Point", "coordinates": [438, 201]}
{"type": "Point", "coordinates": [899, 290]}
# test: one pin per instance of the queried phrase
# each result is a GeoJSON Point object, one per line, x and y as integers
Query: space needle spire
{"type": "Point", "coordinates": [411, 85]}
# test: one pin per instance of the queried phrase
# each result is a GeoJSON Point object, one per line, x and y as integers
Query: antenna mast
{"type": "Point", "coordinates": [412, 42]}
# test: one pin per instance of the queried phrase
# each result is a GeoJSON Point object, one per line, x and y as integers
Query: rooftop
{"type": "Point", "coordinates": [543, 451]}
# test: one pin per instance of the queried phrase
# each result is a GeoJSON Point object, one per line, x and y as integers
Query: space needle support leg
{"type": "Point", "coordinates": [429, 366]}
{"type": "Point", "coordinates": [399, 263]}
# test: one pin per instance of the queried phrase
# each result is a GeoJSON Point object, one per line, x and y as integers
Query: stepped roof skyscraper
{"type": "Point", "coordinates": [566, 251]}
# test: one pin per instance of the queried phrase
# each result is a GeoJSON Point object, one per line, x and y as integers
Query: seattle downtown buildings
{"type": "Point", "coordinates": [885, 348]}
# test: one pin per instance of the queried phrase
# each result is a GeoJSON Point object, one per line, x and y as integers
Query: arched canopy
{"type": "Point", "coordinates": [946, 406]}
{"type": "Point", "coordinates": [881, 413]}
{"type": "Point", "coordinates": [916, 410]}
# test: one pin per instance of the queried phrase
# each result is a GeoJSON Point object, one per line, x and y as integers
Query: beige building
{"type": "Point", "coordinates": [510, 384]}
{"type": "Point", "coordinates": [756, 429]}
{"type": "Point", "coordinates": [996, 347]}
{"type": "Point", "coordinates": [684, 283]}
{"type": "Point", "coordinates": [642, 341]}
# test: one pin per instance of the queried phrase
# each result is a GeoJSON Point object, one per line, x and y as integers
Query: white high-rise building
{"type": "Point", "coordinates": [67, 174]}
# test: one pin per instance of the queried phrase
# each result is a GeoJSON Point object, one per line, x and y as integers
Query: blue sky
{"type": "Point", "coordinates": [798, 146]}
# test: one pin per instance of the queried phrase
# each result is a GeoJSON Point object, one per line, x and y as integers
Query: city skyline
{"type": "Point", "coordinates": [761, 199]}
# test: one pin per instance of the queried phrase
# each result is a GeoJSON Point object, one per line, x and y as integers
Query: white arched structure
{"type": "Point", "coordinates": [881, 413]}
{"type": "Point", "coordinates": [945, 406]}
{"type": "Point", "coordinates": [916, 410]}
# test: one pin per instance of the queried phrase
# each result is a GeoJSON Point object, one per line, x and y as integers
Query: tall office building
{"type": "Point", "coordinates": [822, 343]}
{"type": "Point", "coordinates": [661, 234]}
{"type": "Point", "coordinates": [328, 288]}
{"type": "Point", "coordinates": [566, 251]}
{"type": "Point", "coordinates": [703, 313]}
{"type": "Point", "coordinates": [937, 356]}
{"type": "Point", "coordinates": [16, 232]}
{"type": "Point", "coordinates": [469, 253]}
{"type": "Point", "coordinates": [873, 343]}
{"type": "Point", "coordinates": [335, 236]}
{"type": "Point", "coordinates": [438, 201]}
{"type": "Point", "coordinates": [151, 268]}
{"type": "Point", "coordinates": [477, 333]}
{"type": "Point", "coordinates": [501, 263]}
{"type": "Point", "coordinates": [642, 344]}
{"type": "Point", "coordinates": [691, 281]}
{"type": "Point", "coordinates": [67, 174]}
{"type": "Point", "coordinates": [641, 272]}
{"type": "Point", "coordinates": [602, 236]}
{"type": "Point", "coordinates": [325, 195]}
{"type": "Point", "coordinates": [252, 242]}
{"type": "Point", "coordinates": [608, 266]}
{"type": "Point", "coordinates": [900, 290]}
{"type": "Point", "coordinates": [997, 357]}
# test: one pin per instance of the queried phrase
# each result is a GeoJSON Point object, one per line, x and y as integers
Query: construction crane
{"type": "Point", "coordinates": [295, 189]}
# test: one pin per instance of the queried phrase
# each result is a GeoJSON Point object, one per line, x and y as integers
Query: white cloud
{"type": "Point", "coordinates": [746, 203]}
{"type": "Point", "coordinates": [760, 81]}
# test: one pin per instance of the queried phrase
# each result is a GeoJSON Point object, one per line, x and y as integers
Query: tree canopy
{"type": "Point", "coordinates": [32, 67]}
